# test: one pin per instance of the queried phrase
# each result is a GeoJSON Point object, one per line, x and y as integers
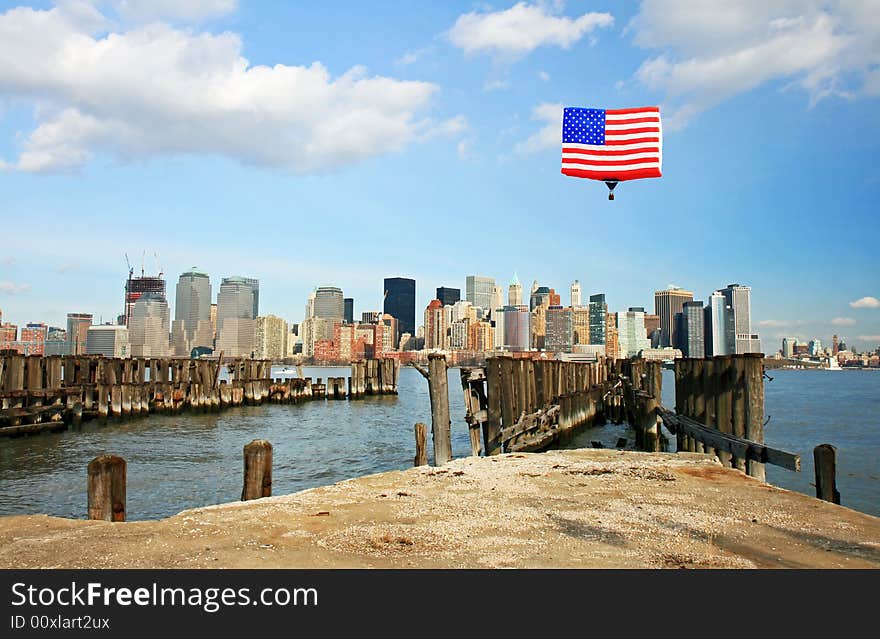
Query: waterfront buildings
{"type": "Point", "coordinates": [666, 304]}
{"type": "Point", "coordinates": [108, 340]}
{"type": "Point", "coordinates": [788, 344]}
{"type": "Point", "coordinates": [400, 302]}
{"type": "Point", "coordinates": [479, 291]}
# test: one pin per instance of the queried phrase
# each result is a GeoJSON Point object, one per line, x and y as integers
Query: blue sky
{"type": "Point", "coordinates": [305, 146]}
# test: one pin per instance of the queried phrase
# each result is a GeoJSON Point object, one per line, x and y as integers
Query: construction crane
{"type": "Point", "coordinates": [130, 270]}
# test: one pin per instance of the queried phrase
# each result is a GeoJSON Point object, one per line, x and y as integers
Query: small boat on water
{"type": "Point", "coordinates": [833, 365]}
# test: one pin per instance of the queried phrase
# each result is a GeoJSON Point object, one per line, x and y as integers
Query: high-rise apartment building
{"type": "Point", "coordinates": [575, 294]}
{"type": "Point", "coordinates": [77, 332]}
{"type": "Point", "coordinates": [559, 335]}
{"type": "Point", "coordinates": [435, 326]}
{"type": "Point", "coordinates": [270, 339]}
{"type": "Point", "coordinates": [448, 296]}
{"type": "Point", "coordinates": [33, 338]}
{"type": "Point", "coordinates": [400, 302]}
{"type": "Point", "coordinates": [481, 337]}
{"type": "Point", "coordinates": [598, 318]}
{"type": "Point", "coordinates": [666, 304]}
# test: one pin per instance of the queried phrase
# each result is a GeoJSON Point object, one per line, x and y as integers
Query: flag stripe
{"type": "Point", "coordinates": [602, 160]}
{"type": "Point", "coordinates": [616, 175]}
{"type": "Point", "coordinates": [612, 166]}
{"type": "Point", "coordinates": [616, 132]}
{"type": "Point", "coordinates": [617, 149]}
{"type": "Point", "coordinates": [631, 122]}
{"type": "Point", "coordinates": [637, 138]}
{"type": "Point", "coordinates": [634, 110]}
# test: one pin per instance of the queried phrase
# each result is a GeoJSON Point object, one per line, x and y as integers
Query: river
{"type": "Point", "coordinates": [189, 460]}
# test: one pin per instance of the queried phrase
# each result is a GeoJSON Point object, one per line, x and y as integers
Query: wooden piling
{"type": "Point", "coordinates": [106, 488]}
{"type": "Point", "coordinates": [257, 470]}
{"type": "Point", "coordinates": [421, 458]}
{"type": "Point", "coordinates": [825, 461]}
{"type": "Point", "coordinates": [754, 418]}
{"type": "Point", "coordinates": [440, 424]}
{"type": "Point", "coordinates": [492, 426]}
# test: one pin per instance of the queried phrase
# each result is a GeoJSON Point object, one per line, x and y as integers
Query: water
{"type": "Point", "coordinates": [191, 460]}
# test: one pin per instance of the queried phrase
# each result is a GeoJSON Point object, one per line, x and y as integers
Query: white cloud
{"type": "Point", "coordinates": [712, 51]}
{"type": "Point", "coordinates": [10, 288]}
{"type": "Point", "coordinates": [870, 338]}
{"type": "Point", "coordinates": [188, 10]}
{"type": "Point", "coordinates": [843, 321]}
{"type": "Point", "coordinates": [550, 135]}
{"type": "Point", "coordinates": [544, 76]}
{"type": "Point", "coordinates": [773, 323]}
{"type": "Point", "coordinates": [157, 90]}
{"type": "Point", "coordinates": [521, 29]}
{"type": "Point", "coordinates": [411, 57]}
{"type": "Point", "coordinates": [496, 85]}
{"type": "Point", "coordinates": [464, 150]}
{"type": "Point", "coordinates": [866, 302]}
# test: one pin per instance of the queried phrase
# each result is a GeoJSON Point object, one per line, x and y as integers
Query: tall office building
{"type": "Point", "coordinates": [741, 340]}
{"type": "Point", "coordinates": [580, 324]}
{"type": "Point", "coordinates": [575, 294]}
{"type": "Point", "coordinates": [348, 310]}
{"type": "Point", "coordinates": [631, 335]}
{"type": "Point", "coordinates": [559, 335]}
{"type": "Point", "coordinates": [329, 303]}
{"type": "Point", "coordinates": [540, 297]}
{"type": "Point", "coordinates": [516, 328]}
{"type": "Point", "coordinates": [692, 339]}
{"type": "Point", "coordinates": [612, 341]}
{"type": "Point", "coordinates": [788, 344]}
{"type": "Point", "coordinates": [192, 313]}
{"type": "Point", "coordinates": [400, 302]}
{"type": "Point", "coordinates": [448, 296]}
{"type": "Point", "coordinates": [77, 332]}
{"type": "Point", "coordinates": [149, 326]}
{"type": "Point", "coordinates": [478, 291]}
{"type": "Point", "coordinates": [598, 319]}
{"type": "Point", "coordinates": [137, 286]}
{"type": "Point", "coordinates": [666, 304]}
{"type": "Point", "coordinates": [515, 292]}
{"type": "Point", "coordinates": [235, 317]}
{"type": "Point", "coordinates": [717, 326]}
{"type": "Point", "coordinates": [497, 301]}
{"type": "Point", "coordinates": [108, 340]}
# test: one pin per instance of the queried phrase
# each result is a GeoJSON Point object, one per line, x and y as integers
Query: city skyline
{"type": "Point", "coordinates": [467, 133]}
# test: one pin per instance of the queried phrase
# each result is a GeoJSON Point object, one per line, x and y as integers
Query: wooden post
{"type": "Point", "coordinates": [738, 404]}
{"type": "Point", "coordinates": [723, 393]}
{"type": "Point", "coordinates": [440, 424]}
{"type": "Point", "coordinates": [754, 381]}
{"type": "Point", "coordinates": [492, 426]}
{"type": "Point", "coordinates": [825, 460]}
{"type": "Point", "coordinates": [257, 470]}
{"type": "Point", "coordinates": [421, 458]}
{"type": "Point", "coordinates": [106, 488]}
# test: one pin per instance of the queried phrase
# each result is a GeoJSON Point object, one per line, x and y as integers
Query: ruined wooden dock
{"type": "Point", "coordinates": [48, 393]}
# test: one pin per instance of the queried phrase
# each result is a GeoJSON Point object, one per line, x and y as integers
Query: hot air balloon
{"type": "Point", "coordinates": [612, 145]}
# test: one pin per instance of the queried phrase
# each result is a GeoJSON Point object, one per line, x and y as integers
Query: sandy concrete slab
{"type": "Point", "coordinates": [583, 508]}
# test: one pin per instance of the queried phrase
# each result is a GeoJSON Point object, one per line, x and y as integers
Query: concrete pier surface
{"type": "Point", "coordinates": [588, 508]}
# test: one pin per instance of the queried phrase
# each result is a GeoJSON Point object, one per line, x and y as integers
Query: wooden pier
{"type": "Point", "coordinates": [41, 394]}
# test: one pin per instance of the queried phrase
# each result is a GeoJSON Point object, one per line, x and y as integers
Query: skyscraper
{"type": "Point", "coordinates": [540, 297]}
{"type": "Point", "coordinates": [575, 293]}
{"type": "Point", "coordinates": [693, 338]}
{"type": "Point", "coordinates": [192, 311]}
{"type": "Point", "coordinates": [666, 304]}
{"type": "Point", "coordinates": [478, 290]}
{"type": "Point", "coordinates": [514, 292]}
{"type": "Point", "coordinates": [107, 340]}
{"type": "Point", "coordinates": [149, 326]}
{"type": "Point", "coordinates": [559, 335]}
{"type": "Point", "coordinates": [400, 302]}
{"type": "Point", "coordinates": [435, 326]}
{"type": "Point", "coordinates": [137, 286]}
{"type": "Point", "coordinates": [235, 317]}
{"type": "Point", "coordinates": [448, 296]}
{"type": "Point", "coordinates": [742, 340]}
{"type": "Point", "coordinates": [329, 303]}
{"type": "Point", "coordinates": [598, 319]}
{"type": "Point", "coordinates": [717, 325]}
{"type": "Point", "coordinates": [516, 328]}
{"type": "Point", "coordinates": [348, 304]}
{"type": "Point", "coordinates": [631, 334]}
